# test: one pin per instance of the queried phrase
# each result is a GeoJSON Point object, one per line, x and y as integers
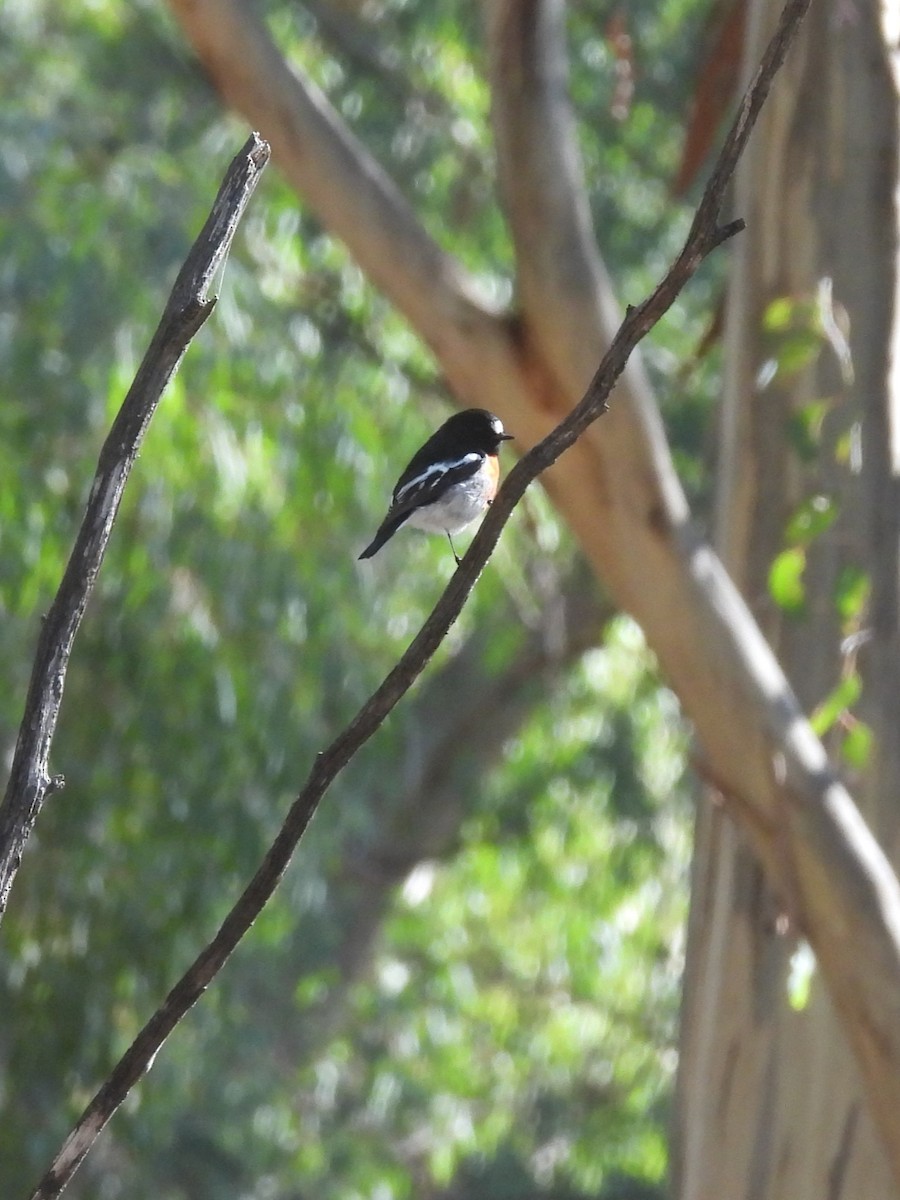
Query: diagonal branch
{"type": "Point", "coordinates": [187, 309]}
{"type": "Point", "coordinates": [563, 287]}
{"type": "Point", "coordinates": [845, 892]}
{"type": "Point", "coordinates": [346, 187]}
{"type": "Point", "coordinates": [465, 703]}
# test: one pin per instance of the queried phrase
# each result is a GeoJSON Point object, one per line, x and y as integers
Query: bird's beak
{"type": "Point", "coordinates": [506, 437]}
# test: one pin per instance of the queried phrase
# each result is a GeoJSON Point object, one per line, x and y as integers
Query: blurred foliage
{"type": "Point", "coordinates": [823, 435]}
{"type": "Point", "coordinates": [511, 1029]}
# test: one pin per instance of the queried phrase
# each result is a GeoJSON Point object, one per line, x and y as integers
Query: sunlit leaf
{"type": "Point", "coordinates": [800, 976]}
{"type": "Point", "coordinates": [779, 314]}
{"type": "Point", "coordinates": [836, 703]}
{"type": "Point", "coordinates": [786, 585]}
{"type": "Point", "coordinates": [851, 592]}
{"type": "Point", "coordinates": [857, 745]}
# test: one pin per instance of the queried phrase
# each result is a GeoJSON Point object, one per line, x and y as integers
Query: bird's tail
{"type": "Point", "coordinates": [386, 530]}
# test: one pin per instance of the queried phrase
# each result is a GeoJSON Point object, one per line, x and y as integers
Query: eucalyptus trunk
{"type": "Point", "coordinates": [770, 1100]}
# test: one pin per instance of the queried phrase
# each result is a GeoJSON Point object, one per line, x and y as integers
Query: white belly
{"type": "Point", "coordinates": [463, 504]}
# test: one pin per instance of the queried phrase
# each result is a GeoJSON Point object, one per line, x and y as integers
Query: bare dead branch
{"type": "Point", "coordinates": [809, 783]}
{"type": "Point", "coordinates": [433, 789]}
{"type": "Point", "coordinates": [186, 310]}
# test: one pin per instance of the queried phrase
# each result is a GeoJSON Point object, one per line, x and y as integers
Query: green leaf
{"type": "Point", "coordinates": [797, 350]}
{"type": "Point", "coordinates": [804, 429]}
{"type": "Point", "coordinates": [851, 592]}
{"type": "Point", "coordinates": [836, 703]}
{"type": "Point", "coordinates": [800, 976]}
{"type": "Point", "coordinates": [811, 519]}
{"type": "Point", "coordinates": [846, 447]}
{"type": "Point", "coordinates": [786, 585]}
{"type": "Point", "coordinates": [779, 314]}
{"type": "Point", "coordinates": [856, 748]}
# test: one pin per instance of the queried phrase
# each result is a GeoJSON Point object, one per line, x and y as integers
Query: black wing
{"type": "Point", "coordinates": [423, 482]}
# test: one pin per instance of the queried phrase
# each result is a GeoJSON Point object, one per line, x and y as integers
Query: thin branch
{"type": "Point", "coordinates": [705, 235]}
{"type": "Point", "coordinates": [432, 790]}
{"type": "Point", "coordinates": [187, 309]}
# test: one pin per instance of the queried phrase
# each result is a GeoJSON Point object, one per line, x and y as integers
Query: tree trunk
{"type": "Point", "coordinates": [770, 1101]}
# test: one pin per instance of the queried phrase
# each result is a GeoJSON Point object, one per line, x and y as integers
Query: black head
{"type": "Point", "coordinates": [477, 429]}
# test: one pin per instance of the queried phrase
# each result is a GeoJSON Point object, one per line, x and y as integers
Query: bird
{"type": "Point", "coordinates": [449, 482]}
